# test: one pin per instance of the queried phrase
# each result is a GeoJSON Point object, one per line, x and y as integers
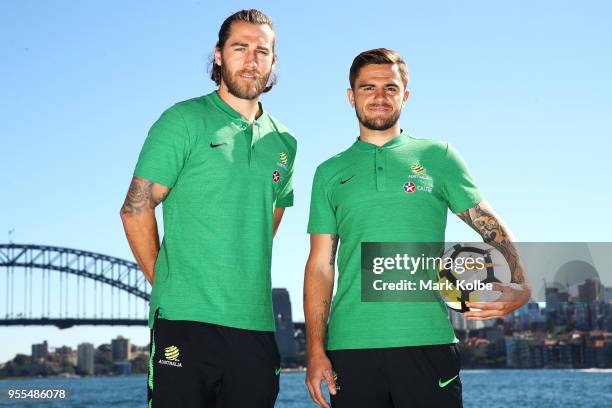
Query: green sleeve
{"type": "Point", "coordinates": [285, 197]}
{"type": "Point", "coordinates": [165, 149]}
{"type": "Point", "coordinates": [322, 218]}
{"type": "Point", "coordinates": [459, 189]}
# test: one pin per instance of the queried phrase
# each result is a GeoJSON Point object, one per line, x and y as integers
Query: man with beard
{"type": "Point", "coordinates": [223, 168]}
{"type": "Point", "coordinates": [389, 187]}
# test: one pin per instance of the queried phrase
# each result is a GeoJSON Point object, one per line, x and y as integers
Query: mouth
{"type": "Point", "coordinates": [248, 76]}
{"type": "Point", "coordinates": [379, 108]}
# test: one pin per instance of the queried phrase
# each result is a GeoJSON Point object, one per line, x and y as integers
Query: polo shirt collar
{"type": "Point", "coordinates": [221, 104]}
{"type": "Point", "coordinates": [398, 140]}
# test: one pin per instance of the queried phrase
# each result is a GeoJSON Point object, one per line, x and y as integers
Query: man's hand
{"type": "Point", "coordinates": [319, 369]}
{"type": "Point", "coordinates": [512, 297]}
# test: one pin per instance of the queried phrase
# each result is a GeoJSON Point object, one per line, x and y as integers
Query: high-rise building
{"type": "Point", "coordinates": [121, 349]}
{"type": "Point", "coordinates": [556, 299]}
{"type": "Point", "coordinates": [284, 323]}
{"type": "Point", "coordinates": [519, 354]}
{"type": "Point", "coordinates": [457, 319]}
{"type": "Point", "coordinates": [591, 291]}
{"type": "Point", "coordinates": [122, 368]}
{"type": "Point", "coordinates": [534, 312]}
{"type": "Point", "coordinates": [65, 355]}
{"type": "Point", "coordinates": [40, 351]}
{"type": "Point", "coordinates": [85, 358]}
{"type": "Point", "coordinates": [607, 294]}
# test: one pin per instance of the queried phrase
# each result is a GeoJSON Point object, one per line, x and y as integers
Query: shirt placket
{"type": "Point", "coordinates": [247, 132]}
{"type": "Point", "coordinates": [380, 167]}
{"type": "Point", "coordinates": [255, 133]}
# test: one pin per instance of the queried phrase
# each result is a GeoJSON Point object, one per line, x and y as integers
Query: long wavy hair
{"type": "Point", "coordinates": [251, 16]}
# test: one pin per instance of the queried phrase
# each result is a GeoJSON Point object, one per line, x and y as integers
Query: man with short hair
{"type": "Point", "coordinates": [223, 168]}
{"type": "Point", "coordinates": [389, 354]}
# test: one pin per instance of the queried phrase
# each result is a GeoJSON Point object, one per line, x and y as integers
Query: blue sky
{"type": "Point", "coordinates": [522, 90]}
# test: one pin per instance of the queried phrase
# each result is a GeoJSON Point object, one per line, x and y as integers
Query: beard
{"type": "Point", "coordinates": [378, 123]}
{"type": "Point", "coordinates": [241, 88]}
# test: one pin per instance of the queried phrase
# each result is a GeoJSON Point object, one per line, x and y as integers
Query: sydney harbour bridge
{"type": "Point", "coordinates": [64, 287]}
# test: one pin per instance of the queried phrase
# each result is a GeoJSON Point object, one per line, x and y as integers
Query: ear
{"type": "Point", "coordinates": [217, 56]}
{"type": "Point", "coordinates": [351, 96]}
{"type": "Point", "coordinates": [405, 97]}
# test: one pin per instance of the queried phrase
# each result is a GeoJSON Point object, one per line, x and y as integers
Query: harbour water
{"type": "Point", "coordinates": [481, 388]}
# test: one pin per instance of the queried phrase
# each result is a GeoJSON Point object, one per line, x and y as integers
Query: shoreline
{"type": "Point", "coordinates": [303, 370]}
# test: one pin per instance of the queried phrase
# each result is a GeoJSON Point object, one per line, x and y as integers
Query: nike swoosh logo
{"type": "Point", "coordinates": [277, 371]}
{"type": "Point", "coordinates": [216, 145]}
{"type": "Point", "coordinates": [443, 384]}
{"type": "Point", "coordinates": [344, 181]}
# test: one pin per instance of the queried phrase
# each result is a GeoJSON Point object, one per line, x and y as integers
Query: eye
{"type": "Point", "coordinates": [392, 88]}
{"type": "Point", "coordinates": [263, 52]}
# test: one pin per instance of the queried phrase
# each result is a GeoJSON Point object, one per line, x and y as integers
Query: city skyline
{"type": "Point", "coordinates": [523, 98]}
{"type": "Point", "coordinates": [563, 335]}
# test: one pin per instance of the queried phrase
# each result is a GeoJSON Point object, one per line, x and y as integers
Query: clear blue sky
{"type": "Point", "coordinates": [522, 90]}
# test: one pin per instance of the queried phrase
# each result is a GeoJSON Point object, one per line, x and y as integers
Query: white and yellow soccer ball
{"type": "Point", "coordinates": [464, 266]}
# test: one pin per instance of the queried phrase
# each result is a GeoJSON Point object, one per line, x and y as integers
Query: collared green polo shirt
{"type": "Point", "coordinates": [399, 192]}
{"type": "Point", "coordinates": [226, 176]}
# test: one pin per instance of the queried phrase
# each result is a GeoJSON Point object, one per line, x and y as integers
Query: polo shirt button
{"type": "Point", "coordinates": [380, 150]}
{"type": "Point", "coordinates": [380, 168]}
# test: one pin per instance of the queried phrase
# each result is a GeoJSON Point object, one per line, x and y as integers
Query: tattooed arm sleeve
{"type": "Point", "coordinates": [489, 225]}
{"type": "Point", "coordinates": [139, 223]}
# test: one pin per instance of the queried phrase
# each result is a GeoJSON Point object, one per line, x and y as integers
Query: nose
{"type": "Point", "coordinates": [379, 94]}
{"type": "Point", "coordinates": [251, 59]}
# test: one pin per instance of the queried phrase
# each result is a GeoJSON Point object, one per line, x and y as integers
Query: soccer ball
{"type": "Point", "coordinates": [464, 267]}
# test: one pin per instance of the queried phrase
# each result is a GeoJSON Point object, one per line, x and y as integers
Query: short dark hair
{"type": "Point", "coordinates": [377, 56]}
{"type": "Point", "coordinates": [251, 16]}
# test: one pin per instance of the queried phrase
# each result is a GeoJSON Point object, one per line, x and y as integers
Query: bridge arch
{"type": "Point", "coordinates": [122, 278]}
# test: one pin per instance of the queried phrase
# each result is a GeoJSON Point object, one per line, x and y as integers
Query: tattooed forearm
{"type": "Point", "coordinates": [141, 195]}
{"type": "Point", "coordinates": [332, 259]}
{"type": "Point", "coordinates": [138, 196]}
{"type": "Point", "coordinates": [324, 311]}
{"type": "Point", "coordinates": [483, 221]}
{"type": "Point", "coordinates": [317, 325]}
{"type": "Point", "coordinates": [318, 288]}
{"type": "Point", "coordinates": [321, 318]}
{"type": "Point", "coordinates": [486, 223]}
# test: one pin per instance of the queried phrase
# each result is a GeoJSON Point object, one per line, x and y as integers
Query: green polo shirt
{"type": "Point", "coordinates": [225, 176]}
{"type": "Point", "coordinates": [399, 192]}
